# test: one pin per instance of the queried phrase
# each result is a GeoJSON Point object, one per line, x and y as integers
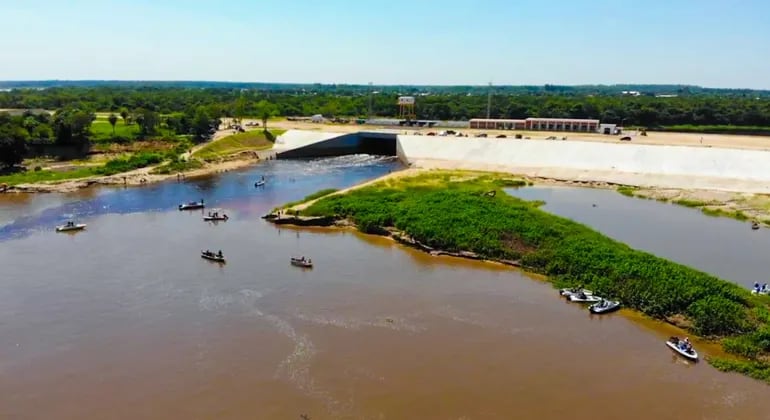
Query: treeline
{"type": "Point", "coordinates": [738, 109]}
{"type": "Point", "coordinates": [69, 127]}
{"type": "Point", "coordinates": [357, 89]}
{"type": "Point", "coordinates": [72, 126]}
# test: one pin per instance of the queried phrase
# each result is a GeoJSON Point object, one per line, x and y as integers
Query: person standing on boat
{"type": "Point", "coordinates": [219, 254]}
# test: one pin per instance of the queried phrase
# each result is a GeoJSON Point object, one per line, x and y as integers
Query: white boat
{"type": "Point", "coordinates": [259, 183]}
{"type": "Point", "coordinates": [70, 226]}
{"type": "Point", "coordinates": [193, 205]}
{"type": "Point", "coordinates": [574, 291]}
{"type": "Point", "coordinates": [690, 354]}
{"type": "Point", "coordinates": [584, 298]}
{"type": "Point", "coordinates": [211, 256]}
{"type": "Point", "coordinates": [216, 217]}
{"type": "Point", "coordinates": [302, 262]}
{"type": "Point", "coordinates": [764, 290]}
{"type": "Point", "coordinates": [604, 307]}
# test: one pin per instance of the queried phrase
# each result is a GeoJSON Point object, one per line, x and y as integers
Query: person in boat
{"type": "Point", "coordinates": [764, 288]}
{"type": "Point", "coordinates": [756, 286]}
{"type": "Point", "coordinates": [582, 295]}
{"type": "Point", "coordinates": [219, 254]}
{"type": "Point", "coordinates": [685, 344]}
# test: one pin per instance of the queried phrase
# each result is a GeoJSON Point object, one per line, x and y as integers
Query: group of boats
{"type": "Point", "coordinates": [220, 258]}
{"type": "Point", "coordinates": [600, 305]}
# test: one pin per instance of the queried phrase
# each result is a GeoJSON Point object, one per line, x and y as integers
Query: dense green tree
{"type": "Point", "coordinates": [124, 114]}
{"type": "Point", "coordinates": [266, 110]}
{"type": "Point", "coordinates": [202, 124]}
{"type": "Point", "coordinates": [148, 122]}
{"type": "Point", "coordinates": [13, 144]}
{"type": "Point", "coordinates": [72, 127]}
{"type": "Point", "coordinates": [113, 119]}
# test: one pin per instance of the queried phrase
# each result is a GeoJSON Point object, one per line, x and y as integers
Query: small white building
{"type": "Point", "coordinates": [610, 129]}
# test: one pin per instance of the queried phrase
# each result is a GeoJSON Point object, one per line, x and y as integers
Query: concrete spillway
{"type": "Point", "coordinates": [622, 163]}
{"type": "Point", "coordinates": [337, 144]}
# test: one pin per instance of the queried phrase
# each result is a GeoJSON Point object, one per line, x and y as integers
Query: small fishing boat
{"type": "Point", "coordinates": [764, 290]}
{"type": "Point", "coordinates": [70, 227]}
{"type": "Point", "coordinates": [686, 351]}
{"type": "Point", "coordinates": [212, 256]}
{"type": "Point", "coordinates": [605, 306]}
{"type": "Point", "coordinates": [216, 217]}
{"type": "Point", "coordinates": [192, 205]}
{"type": "Point", "coordinates": [754, 225]}
{"type": "Point", "coordinates": [302, 262]}
{"type": "Point", "coordinates": [583, 298]}
{"type": "Point", "coordinates": [259, 183]}
{"type": "Point", "coordinates": [574, 291]}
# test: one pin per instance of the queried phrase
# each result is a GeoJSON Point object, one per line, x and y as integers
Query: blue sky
{"type": "Point", "coordinates": [707, 42]}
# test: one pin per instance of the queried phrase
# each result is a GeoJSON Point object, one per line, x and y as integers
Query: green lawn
{"type": "Point", "coordinates": [236, 143]}
{"type": "Point", "coordinates": [31, 177]}
{"type": "Point", "coordinates": [102, 130]}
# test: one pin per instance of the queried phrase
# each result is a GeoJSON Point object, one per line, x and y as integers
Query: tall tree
{"type": "Point", "coordinates": [202, 124]}
{"type": "Point", "coordinates": [148, 122]}
{"type": "Point", "coordinates": [124, 114]}
{"type": "Point", "coordinates": [113, 119]}
{"type": "Point", "coordinates": [266, 110]}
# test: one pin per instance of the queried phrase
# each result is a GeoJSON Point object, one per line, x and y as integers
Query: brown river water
{"type": "Point", "coordinates": [125, 321]}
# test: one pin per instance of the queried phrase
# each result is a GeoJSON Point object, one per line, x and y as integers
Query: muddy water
{"type": "Point", "coordinates": [724, 247]}
{"type": "Point", "coordinates": [126, 321]}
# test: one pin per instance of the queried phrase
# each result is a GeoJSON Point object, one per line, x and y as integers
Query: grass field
{"type": "Point", "coordinates": [241, 142]}
{"type": "Point", "coordinates": [30, 177]}
{"type": "Point", "coordinates": [102, 130]}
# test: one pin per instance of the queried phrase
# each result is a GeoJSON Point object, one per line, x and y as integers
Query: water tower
{"type": "Point", "coordinates": [406, 108]}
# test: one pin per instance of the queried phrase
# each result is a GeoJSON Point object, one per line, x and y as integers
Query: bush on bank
{"type": "Point", "coordinates": [459, 215]}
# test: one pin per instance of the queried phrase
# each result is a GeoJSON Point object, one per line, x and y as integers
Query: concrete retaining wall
{"type": "Point", "coordinates": [663, 166]}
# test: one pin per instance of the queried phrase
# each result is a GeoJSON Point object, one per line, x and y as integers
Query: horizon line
{"type": "Point", "coordinates": [485, 85]}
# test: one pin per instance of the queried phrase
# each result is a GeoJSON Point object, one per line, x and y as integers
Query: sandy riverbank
{"type": "Point", "coordinates": [137, 177]}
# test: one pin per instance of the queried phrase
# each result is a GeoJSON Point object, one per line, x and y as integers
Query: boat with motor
{"type": "Point", "coordinates": [302, 262]}
{"type": "Point", "coordinates": [192, 205]}
{"type": "Point", "coordinates": [683, 348]}
{"type": "Point", "coordinates": [260, 183]}
{"type": "Point", "coordinates": [216, 217]}
{"type": "Point", "coordinates": [213, 256]}
{"type": "Point", "coordinates": [574, 290]}
{"type": "Point", "coordinates": [584, 298]}
{"type": "Point", "coordinates": [604, 306]}
{"type": "Point", "coordinates": [70, 227]}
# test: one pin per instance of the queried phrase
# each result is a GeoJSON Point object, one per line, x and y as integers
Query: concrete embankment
{"type": "Point", "coordinates": [642, 165]}
{"type": "Point", "coordinates": [628, 164]}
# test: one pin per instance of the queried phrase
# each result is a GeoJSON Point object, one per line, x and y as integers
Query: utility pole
{"type": "Point", "coordinates": [489, 100]}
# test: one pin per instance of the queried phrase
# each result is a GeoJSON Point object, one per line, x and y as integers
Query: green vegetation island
{"type": "Point", "coordinates": [468, 214]}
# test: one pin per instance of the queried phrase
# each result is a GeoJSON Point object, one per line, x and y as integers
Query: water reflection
{"type": "Point", "coordinates": [233, 190]}
{"type": "Point", "coordinates": [724, 247]}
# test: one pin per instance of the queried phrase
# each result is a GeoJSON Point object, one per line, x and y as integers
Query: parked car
{"type": "Point", "coordinates": [481, 135]}
{"type": "Point", "coordinates": [501, 136]}
{"type": "Point", "coordinates": [626, 138]}
{"type": "Point", "coordinates": [431, 133]}
{"type": "Point", "coordinates": [451, 132]}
